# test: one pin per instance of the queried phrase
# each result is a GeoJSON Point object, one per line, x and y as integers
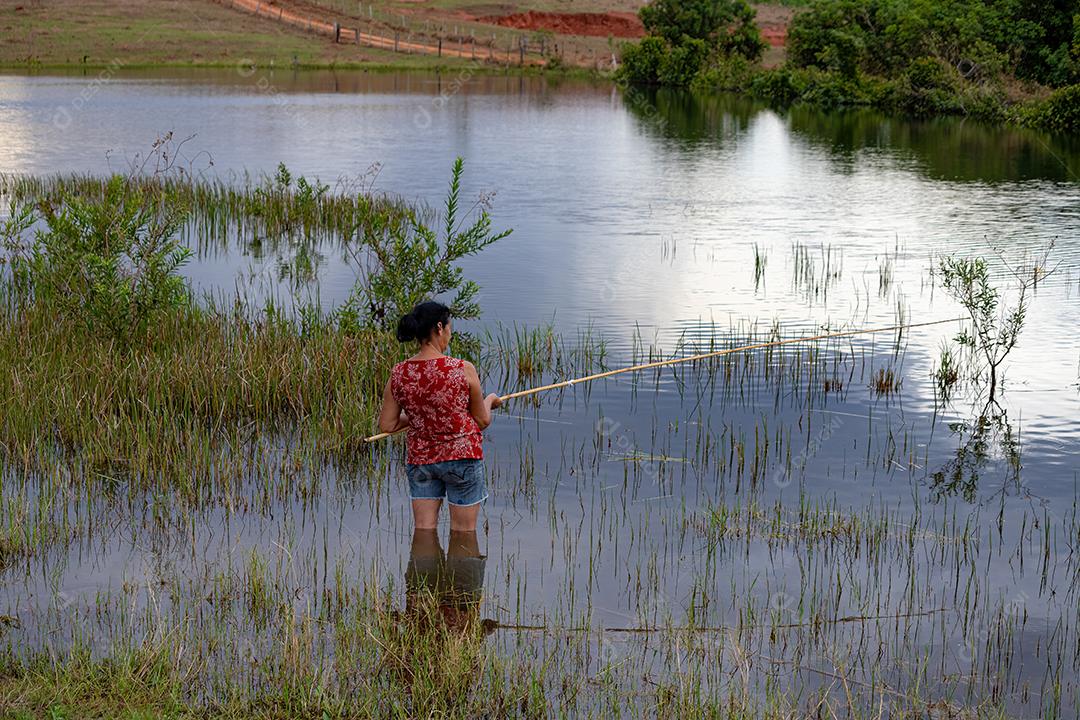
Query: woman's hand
{"type": "Point", "coordinates": [493, 401]}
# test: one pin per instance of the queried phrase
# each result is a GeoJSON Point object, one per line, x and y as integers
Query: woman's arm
{"type": "Point", "coordinates": [480, 407]}
{"type": "Point", "coordinates": [392, 418]}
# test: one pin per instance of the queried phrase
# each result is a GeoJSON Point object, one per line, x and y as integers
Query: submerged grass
{"type": "Point", "coordinates": [682, 554]}
{"type": "Point", "coordinates": [203, 381]}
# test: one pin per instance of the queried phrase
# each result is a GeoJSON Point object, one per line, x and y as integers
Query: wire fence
{"type": "Point", "coordinates": [405, 37]}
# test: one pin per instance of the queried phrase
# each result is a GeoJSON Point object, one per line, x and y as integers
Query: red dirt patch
{"type": "Point", "coordinates": [777, 37]}
{"type": "Point", "coordinates": [617, 24]}
{"type": "Point", "coordinates": [773, 21]}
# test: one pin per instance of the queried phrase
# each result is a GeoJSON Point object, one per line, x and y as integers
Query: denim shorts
{"type": "Point", "coordinates": [461, 482]}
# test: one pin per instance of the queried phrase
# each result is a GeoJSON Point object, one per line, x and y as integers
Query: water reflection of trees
{"type": "Point", "coordinates": [679, 114]}
{"type": "Point", "coordinates": [987, 436]}
{"type": "Point", "coordinates": [947, 148]}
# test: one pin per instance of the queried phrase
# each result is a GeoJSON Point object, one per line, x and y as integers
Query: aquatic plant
{"type": "Point", "coordinates": [408, 261]}
{"type": "Point", "coordinates": [995, 329]}
{"type": "Point", "coordinates": [947, 372]}
{"type": "Point", "coordinates": [110, 266]}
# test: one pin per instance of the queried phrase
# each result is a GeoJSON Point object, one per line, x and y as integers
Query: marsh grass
{"type": "Point", "coordinates": [517, 358]}
{"type": "Point", "coordinates": [201, 382]}
{"type": "Point", "coordinates": [885, 381]}
{"type": "Point", "coordinates": [700, 563]}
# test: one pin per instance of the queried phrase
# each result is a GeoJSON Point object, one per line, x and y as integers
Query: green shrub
{"type": "Point", "coordinates": [832, 90]}
{"type": "Point", "coordinates": [641, 61]}
{"type": "Point", "coordinates": [828, 37]}
{"type": "Point", "coordinates": [109, 264]}
{"type": "Point", "coordinates": [683, 34]}
{"type": "Point", "coordinates": [732, 73]}
{"type": "Point", "coordinates": [882, 37]}
{"type": "Point", "coordinates": [409, 261]}
{"type": "Point", "coordinates": [782, 85]}
{"type": "Point", "coordinates": [1059, 113]}
{"type": "Point", "coordinates": [985, 102]}
{"type": "Point", "coordinates": [682, 63]}
{"type": "Point", "coordinates": [927, 87]}
{"type": "Point", "coordinates": [715, 22]}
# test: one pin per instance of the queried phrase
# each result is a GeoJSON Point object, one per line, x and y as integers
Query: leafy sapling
{"type": "Point", "coordinates": [404, 260]}
{"type": "Point", "coordinates": [995, 326]}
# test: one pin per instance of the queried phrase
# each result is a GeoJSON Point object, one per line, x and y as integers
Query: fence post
{"type": "Point", "coordinates": [357, 33]}
{"type": "Point", "coordinates": [395, 42]}
{"type": "Point", "coordinates": [337, 33]}
{"type": "Point", "coordinates": [440, 47]}
{"type": "Point", "coordinates": [521, 51]}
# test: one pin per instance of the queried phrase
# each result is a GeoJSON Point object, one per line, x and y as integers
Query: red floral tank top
{"type": "Point", "coordinates": [435, 396]}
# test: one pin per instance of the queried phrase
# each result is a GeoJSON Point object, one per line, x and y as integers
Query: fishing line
{"type": "Point", "coordinates": [692, 358]}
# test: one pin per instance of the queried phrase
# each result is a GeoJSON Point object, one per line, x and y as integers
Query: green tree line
{"type": "Point", "coordinates": [998, 60]}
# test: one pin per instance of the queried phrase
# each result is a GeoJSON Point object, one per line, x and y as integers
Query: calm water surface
{"type": "Point", "coordinates": [641, 219]}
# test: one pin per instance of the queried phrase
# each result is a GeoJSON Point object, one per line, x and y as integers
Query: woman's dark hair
{"type": "Point", "coordinates": [418, 324]}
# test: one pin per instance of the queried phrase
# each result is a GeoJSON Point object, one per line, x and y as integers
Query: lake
{"type": "Point", "coordinates": [936, 548]}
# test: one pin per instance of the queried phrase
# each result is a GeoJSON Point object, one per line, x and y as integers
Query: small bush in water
{"type": "Point", "coordinates": [110, 263]}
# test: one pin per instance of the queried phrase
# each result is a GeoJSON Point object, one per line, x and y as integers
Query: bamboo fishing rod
{"type": "Point", "coordinates": [692, 358]}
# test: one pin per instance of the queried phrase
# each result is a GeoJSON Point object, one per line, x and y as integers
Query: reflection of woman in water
{"type": "Point", "coordinates": [436, 645]}
{"type": "Point", "coordinates": [438, 398]}
{"type": "Point", "coordinates": [449, 584]}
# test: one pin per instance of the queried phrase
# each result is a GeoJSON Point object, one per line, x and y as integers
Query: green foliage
{"type": "Point", "coordinates": [984, 37]}
{"type": "Point", "coordinates": [733, 73]}
{"type": "Point", "coordinates": [685, 37]}
{"type": "Point", "coordinates": [711, 21]}
{"type": "Point", "coordinates": [410, 261]}
{"type": "Point", "coordinates": [682, 63]}
{"type": "Point", "coordinates": [928, 87]}
{"type": "Point", "coordinates": [641, 61]}
{"type": "Point", "coordinates": [295, 208]}
{"type": "Point", "coordinates": [947, 372]}
{"type": "Point", "coordinates": [786, 85]}
{"type": "Point", "coordinates": [1059, 113]}
{"type": "Point", "coordinates": [110, 264]}
{"type": "Point", "coordinates": [995, 329]}
{"type": "Point", "coordinates": [20, 219]}
{"type": "Point", "coordinates": [968, 281]}
{"type": "Point", "coordinates": [782, 85]}
{"type": "Point", "coordinates": [829, 37]}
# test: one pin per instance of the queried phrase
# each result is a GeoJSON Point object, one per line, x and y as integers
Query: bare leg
{"type": "Point", "coordinates": [426, 514]}
{"type": "Point", "coordinates": [463, 519]}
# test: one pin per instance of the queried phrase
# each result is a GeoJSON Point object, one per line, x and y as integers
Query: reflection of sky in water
{"type": "Point", "coordinates": [635, 227]}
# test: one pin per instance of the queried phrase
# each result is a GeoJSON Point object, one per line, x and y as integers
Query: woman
{"type": "Point", "coordinates": [438, 398]}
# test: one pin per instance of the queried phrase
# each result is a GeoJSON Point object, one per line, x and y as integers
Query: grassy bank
{"type": "Point", "coordinates": [173, 33]}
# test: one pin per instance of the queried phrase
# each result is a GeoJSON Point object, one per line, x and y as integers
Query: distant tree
{"type": "Point", "coordinates": [685, 35]}
{"type": "Point", "coordinates": [1035, 39]}
{"type": "Point", "coordinates": [727, 25]}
